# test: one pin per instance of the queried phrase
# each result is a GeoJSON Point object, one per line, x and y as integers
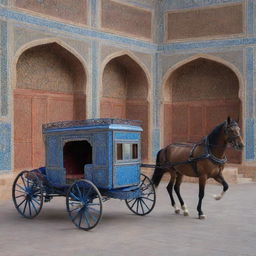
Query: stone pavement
{"type": "Point", "coordinates": [229, 230]}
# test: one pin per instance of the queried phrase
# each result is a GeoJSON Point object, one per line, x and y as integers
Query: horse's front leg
{"type": "Point", "coordinates": [202, 182]}
{"type": "Point", "coordinates": [220, 179]}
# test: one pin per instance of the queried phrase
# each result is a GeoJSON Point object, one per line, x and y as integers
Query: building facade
{"type": "Point", "coordinates": [180, 66]}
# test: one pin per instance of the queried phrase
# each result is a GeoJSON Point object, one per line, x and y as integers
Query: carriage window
{"type": "Point", "coordinates": [126, 151]}
{"type": "Point", "coordinates": [134, 151]}
{"type": "Point", "coordinates": [119, 151]}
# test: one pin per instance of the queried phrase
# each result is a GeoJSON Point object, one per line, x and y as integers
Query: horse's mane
{"type": "Point", "coordinates": [213, 136]}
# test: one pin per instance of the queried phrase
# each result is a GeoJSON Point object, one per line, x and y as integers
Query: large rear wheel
{"type": "Point", "coordinates": [27, 194]}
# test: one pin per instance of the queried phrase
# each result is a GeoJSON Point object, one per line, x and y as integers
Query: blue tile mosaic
{"type": "Point", "coordinates": [250, 16]}
{"type": "Point", "coordinates": [95, 77]}
{"type": "Point", "coordinates": [5, 146]}
{"type": "Point", "coordinates": [155, 142]}
{"type": "Point", "coordinates": [249, 87]}
{"type": "Point", "coordinates": [4, 69]}
{"type": "Point", "coordinates": [249, 141]}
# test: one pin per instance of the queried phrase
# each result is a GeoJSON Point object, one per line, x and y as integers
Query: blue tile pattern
{"type": "Point", "coordinates": [95, 77]}
{"type": "Point", "coordinates": [250, 16]}
{"type": "Point", "coordinates": [249, 140]}
{"type": "Point", "coordinates": [4, 69]}
{"type": "Point", "coordinates": [249, 87]}
{"type": "Point", "coordinates": [5, 146]}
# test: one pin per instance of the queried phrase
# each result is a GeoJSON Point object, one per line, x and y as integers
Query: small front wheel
{"type": "Point", "coordinates": [84, 204]}
{"type": "Point", "coordinates": [27, 194]}
{"type": "Point", "coordinates": [146, 202]}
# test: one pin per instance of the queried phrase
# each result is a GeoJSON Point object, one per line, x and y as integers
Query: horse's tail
{"type": "Point", "coordinates": [158, 172]}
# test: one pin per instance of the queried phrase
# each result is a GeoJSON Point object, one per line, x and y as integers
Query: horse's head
{"type": "Point", "coordinates": [233, 136]}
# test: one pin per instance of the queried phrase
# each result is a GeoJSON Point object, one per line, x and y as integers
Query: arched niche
{"type": "Point", "coordinates": [197, 96]}
{"type": "Point", "coordinates": [125, 94]}
{"type": "Point", "coordinates": [50, 86]}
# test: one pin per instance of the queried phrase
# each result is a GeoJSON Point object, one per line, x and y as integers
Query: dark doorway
{"type": "Point", "coordinates": [76, 154]}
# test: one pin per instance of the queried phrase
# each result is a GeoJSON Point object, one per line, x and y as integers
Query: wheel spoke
{"type": "Point", "coordinates": [24, 190]}
{"type": "Point", "coordinates": [34, 206]}
{"type": "Point", "coordinates": [29, 207]}
{"type": "Point", "coordinates": [86, 219]}
{"type": "Point", "coordinates": [19, 196]}
{"type": "Point", "coordinates": [79, 192]}
{"type": "Point", "coordinates": [141, 207]}
{"type": "Point", "coordinates": [25, 207]}
{"type": "Point", "coordinates": [142, 201]}
{"type": "Point", "coordinates": [35, 201]}
{"type": "Point", "coordinates": [21, 203]}
{"type": "Point", "coordinates": [74, 196]}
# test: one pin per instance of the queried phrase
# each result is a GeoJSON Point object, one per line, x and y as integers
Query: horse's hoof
{"type": "Point", "coordinates": [202, 217]}
{"type": "Point", "coordinates": [217, 197]}
{"type": "Point", "coordinates": [177, 211]}
{"type": "Point", "coordinates": [186, 213]}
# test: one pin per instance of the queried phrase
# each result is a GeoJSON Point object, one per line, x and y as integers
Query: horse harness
{"type": "Point", "coordinates": [193, 160]}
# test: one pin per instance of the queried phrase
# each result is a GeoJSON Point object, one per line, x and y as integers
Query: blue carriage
{"type": "Point", "coordinates": [88, 162]}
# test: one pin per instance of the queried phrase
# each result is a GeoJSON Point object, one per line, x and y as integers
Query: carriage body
{"type": "Point", "coordinates": [103, 151]}
{"type": "Point", "coordinates": [87, 162]}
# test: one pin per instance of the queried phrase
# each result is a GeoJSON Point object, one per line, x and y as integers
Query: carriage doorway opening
{"type": "Point", "coordinates": [50, 86]}
{"type": "Point", "coordinates": [197, 96]}
{"type": "Point", "coordinates": [76, 154]}
{"type": "Point", "coordinates": [125, 94]}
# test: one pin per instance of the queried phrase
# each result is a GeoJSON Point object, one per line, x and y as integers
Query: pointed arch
{"type": "Point", "coordinates": [125, 91]}
{"type": "Point", "coordinates": [198, 93]}
{"type": "Point", "coordinates": [49, 84]}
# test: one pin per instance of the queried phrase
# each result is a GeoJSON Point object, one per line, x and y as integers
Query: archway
{"type": "Point", "coordinates": [50, 86]}
{"type": "Point", "coordinates": [197, 96]}
{"type": "Point", "coordinates": [125, 94]}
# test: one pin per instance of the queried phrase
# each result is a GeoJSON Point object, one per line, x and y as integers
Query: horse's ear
{"type": "Point", "coordinates": [229, 120]}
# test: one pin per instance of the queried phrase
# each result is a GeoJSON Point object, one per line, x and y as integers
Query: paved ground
{"type": "Point", "coordinates": [229, 230]}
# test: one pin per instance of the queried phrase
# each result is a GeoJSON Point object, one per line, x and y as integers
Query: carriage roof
{"type": "Point", "coordinates": [90, 124]}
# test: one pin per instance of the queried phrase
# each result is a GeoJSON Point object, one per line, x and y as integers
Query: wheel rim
{"type": "Point", "coordinates": [27, 194]}
{"type": "Point", "coordinates": [84, 204]}
{"type": "Point", "coordinates": [146, 202]}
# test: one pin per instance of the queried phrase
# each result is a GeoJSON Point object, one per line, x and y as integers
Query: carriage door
{"type": "Point", "coordinates": [50, 87]}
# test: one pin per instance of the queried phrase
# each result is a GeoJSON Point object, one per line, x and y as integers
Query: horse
{"type": "Point", "coordinates": [204, 160]}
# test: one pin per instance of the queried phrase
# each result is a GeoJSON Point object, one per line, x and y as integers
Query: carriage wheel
{"type": "Point", "coordinates": [27, 194]}
{"type": "Point", "coordinates": [84, 204]}
{"type": "Point", "coordinates": [146, 202]}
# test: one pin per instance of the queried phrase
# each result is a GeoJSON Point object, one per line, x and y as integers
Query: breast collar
{"type": "Point", "coordinates": [207, 154]}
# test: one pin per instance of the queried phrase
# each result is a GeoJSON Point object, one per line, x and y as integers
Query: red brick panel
{"type": "Point", "coordinates": [39, 112]}
{"type": "Point", "coordinates": [138, 110]}
{"type": "Point", "coordinates": [167, 124]}
{"type": "Point", "coordinates": [126, 19]}
{"type": "Point", "coordinates": [75, 11]}
{"type": "Point", "coordinates": [179, 122]}
{"type": "Point", "coordinates": [22, 132]}
{"type": "Point", "coordinates": [113, 108]}
{"type": "Point", "coordinates": [33, 108]}
{"type": "Point", "coordinates": [220, 21]}
{"type": "Point", "coordinates": [196, 123]}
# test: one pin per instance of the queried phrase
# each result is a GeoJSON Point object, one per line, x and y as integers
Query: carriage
{"type": "Point", "coordinates": [87, 162]}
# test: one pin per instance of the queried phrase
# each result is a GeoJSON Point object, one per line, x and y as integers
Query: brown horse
{"type": "Point", "coordinates": [203, 160]}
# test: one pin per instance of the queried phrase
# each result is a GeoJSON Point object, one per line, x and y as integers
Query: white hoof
{"type": "Point", "coordinates": [202, 217]}
{"type": "Point", "coordinates": [177, 211]}
{"type": "Point", "coordinates": [186, 213]}
{"type": "Point", "coordinates": [217, 197]}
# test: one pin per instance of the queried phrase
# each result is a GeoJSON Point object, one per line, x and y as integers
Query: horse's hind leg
{"type": "Point", "coordinates": [169, 189]}
{"type": "Point", "coordinates": [177, 190]}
